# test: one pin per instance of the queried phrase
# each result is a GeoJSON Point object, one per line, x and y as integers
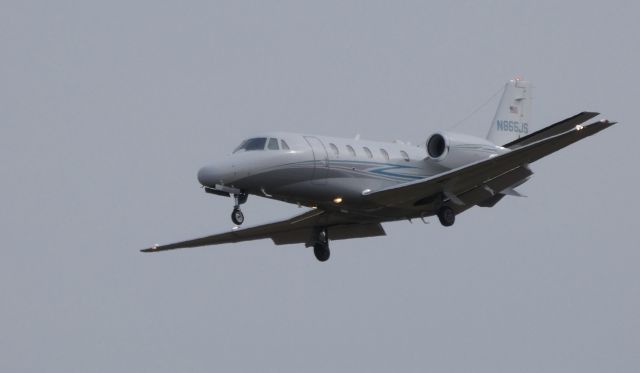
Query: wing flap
{"type": "Point", "coordinates": [343, 232]}
{"type": "Point", "coordinates": [336, 232]}
{"type": "Point", "coordinates": [488, 191]}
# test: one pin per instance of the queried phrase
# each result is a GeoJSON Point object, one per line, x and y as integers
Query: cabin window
{"type": "Point", "coordinates": [257, 143]}
{"type": "Point", "coordinates": [404, 155]}
{"type": "Point", "coordinates": [284, 145]}
{"type": "Point", "coordinates": [335, 150]}
{"type": "Point", "coordinates": [367, 151]}
{"type": "Point", "coordinates": [384, 153]}
{"type": "Point", "coordinates": [351, 151]}
{"type": "Point", "coordinates": [273, 144]}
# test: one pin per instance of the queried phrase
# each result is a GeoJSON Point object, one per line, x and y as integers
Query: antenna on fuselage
{"type": "Point", "coordinates": [357, 137]}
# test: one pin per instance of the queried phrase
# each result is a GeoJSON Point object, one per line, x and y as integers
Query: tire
{"type": "Point", "coordinates": [322, 252]}
{"type": "Point", "coordinates": [237, 217]}
{"type": "Point", "coordinates": [447, 216]}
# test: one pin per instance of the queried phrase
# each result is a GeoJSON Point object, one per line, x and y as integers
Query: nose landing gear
{"type": "Point", "coordinates": [237, 216]}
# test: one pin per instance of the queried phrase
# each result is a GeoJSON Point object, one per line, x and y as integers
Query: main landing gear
{"type": "Point", "coordinates": [237, 216]}
{"type": "Point", "coordinates": [321, 247]}
{"type": "Point", "coordinates": [447, 216]}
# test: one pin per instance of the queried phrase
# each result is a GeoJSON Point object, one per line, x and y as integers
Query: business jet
{"type": "Point", "coordinates": [351, 186]}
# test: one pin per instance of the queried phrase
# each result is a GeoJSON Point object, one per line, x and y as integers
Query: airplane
{"type": "Point", "coordinates": [351, 186]}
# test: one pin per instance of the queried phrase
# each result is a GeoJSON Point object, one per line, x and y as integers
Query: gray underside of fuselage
{"type": "Point", "coordinates": [305, 184]}
{"type": "Point", "coordinates": [317, 186]}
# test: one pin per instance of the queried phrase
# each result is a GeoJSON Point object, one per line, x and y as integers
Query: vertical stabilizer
{"type": "Point", "coordinates": [514, 112]}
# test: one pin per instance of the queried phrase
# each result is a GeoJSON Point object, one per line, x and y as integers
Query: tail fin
{"type": "Point", "coordinates": [514, 112]}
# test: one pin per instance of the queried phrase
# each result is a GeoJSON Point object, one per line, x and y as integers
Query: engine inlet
{"type": "Point", "coordinates": [436, 145]}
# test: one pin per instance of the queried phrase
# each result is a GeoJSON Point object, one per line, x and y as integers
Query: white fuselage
{"type": "Point", "coordinates": [314, 170]}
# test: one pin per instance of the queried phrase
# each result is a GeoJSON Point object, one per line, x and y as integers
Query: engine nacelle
{"type": "Point", "coordinates": [452, 150]}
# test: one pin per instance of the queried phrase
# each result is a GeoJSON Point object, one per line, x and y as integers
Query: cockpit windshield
{"type": "Point", "coordinates": [262, 143]}
{"type": "Point", "coordinates": [257, 143]}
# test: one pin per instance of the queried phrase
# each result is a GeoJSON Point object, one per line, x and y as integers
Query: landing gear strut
{"type": "Point", "coordinates": [321, 247]}
{"type": "Point", "coordinates": [237, 216]}
{"type": "Point", "coordinates": [447, 216]}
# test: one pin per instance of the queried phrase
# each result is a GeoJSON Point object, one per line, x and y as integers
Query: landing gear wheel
{"type": "Point", "coordinates": [237, 216]}
{"type": "Point", "coordinates": [321, 251]}
{"type": "Point", "coordinates": [447, 216]}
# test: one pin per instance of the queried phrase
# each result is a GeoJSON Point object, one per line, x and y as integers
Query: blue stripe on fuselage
{"type": "Point", "coordinates": [384, 169]}
{"type": "Point", "coordinates": [374, 169]}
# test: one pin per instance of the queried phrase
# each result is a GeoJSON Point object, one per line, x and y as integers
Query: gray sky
{"type": "Point", "coordinates": [107, 110]}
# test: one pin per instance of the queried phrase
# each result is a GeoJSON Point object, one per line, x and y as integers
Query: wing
{"type": "Point", "coordinates": [471, 184]}
{"type": "Point", "coordinates": [298, 229]}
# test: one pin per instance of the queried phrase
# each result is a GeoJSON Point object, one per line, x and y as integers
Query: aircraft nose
{"type": "Point", "coordinates": [209, 176]}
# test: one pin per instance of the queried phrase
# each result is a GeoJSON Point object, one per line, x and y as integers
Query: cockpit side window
{"type": "Point", "coordinates": [273, 144]}
{"type": "Point", "coordinates": [285, 146]}
{"type": "Point", "coordinates": [257, 143]}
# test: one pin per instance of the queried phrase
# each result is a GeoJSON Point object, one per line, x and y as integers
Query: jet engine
{"type": "Point", "coordinates": [452, 150]}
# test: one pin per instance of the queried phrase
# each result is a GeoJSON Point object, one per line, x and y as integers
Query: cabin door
{"type": "Point", "coordinates": [321, 160]}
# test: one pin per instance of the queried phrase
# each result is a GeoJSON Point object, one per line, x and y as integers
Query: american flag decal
{"type": "Point", "coordinates": [513, 109]}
